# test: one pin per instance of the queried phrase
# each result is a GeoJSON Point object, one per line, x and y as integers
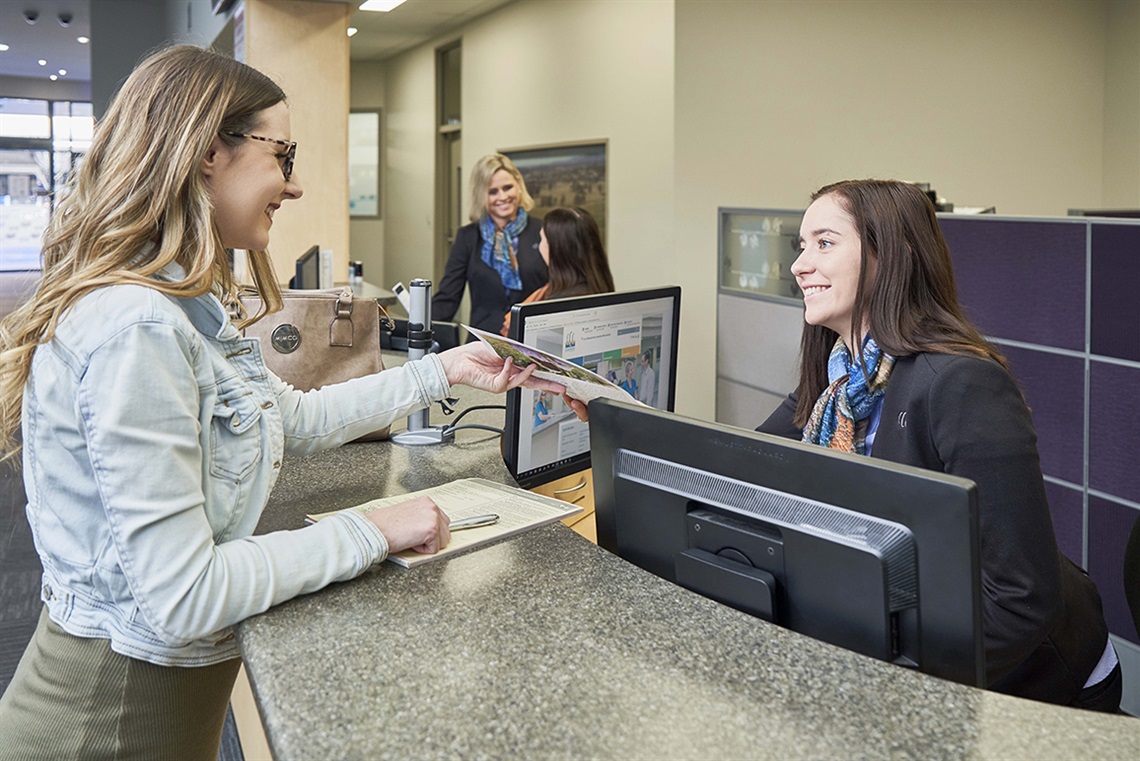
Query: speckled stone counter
{"type": "Point", "coordinates": [545, 646]}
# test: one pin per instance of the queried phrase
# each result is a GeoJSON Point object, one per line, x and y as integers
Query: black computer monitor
{"type": "Point", "coordinates": [869, 555]}
{"type": "Point", "coordinates": [308, 272]}
{"type": "Point", "coordinates": [608, 333]}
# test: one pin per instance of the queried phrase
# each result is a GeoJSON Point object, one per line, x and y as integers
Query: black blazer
{"type": "Point", "coordinates": [1043, 624]}
{"type": "Point", "coordinates": [490, 302]}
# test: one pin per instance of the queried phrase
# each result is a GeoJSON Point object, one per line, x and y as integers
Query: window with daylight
{"type": "Point", "coordinates": [41, 142]}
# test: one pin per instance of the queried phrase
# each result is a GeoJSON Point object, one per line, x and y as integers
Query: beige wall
{"type": "Point", "coordinates": [366, 235]}
{"type": "Point", "coordinates": [409, 165]}
{"type": "Point", "coordinates": [995, 102]}
{"type": "Point", "coordinates": [1122, 106]}
{"type": "Point", "coordinates": [303, 46]}
{"type": "Point", "coordinates": [540, 72]}
{"type": "Point", "coordinates": [564, 71]}
{"type": "Point", "coordinates": [709, 103]}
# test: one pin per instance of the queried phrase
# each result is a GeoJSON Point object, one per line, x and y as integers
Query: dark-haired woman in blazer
{"type": "Point", "coordinates": [891, 368]}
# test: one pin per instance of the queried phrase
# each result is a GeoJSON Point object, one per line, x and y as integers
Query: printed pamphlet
{"type": "Point", "coordinates": [580, 383]}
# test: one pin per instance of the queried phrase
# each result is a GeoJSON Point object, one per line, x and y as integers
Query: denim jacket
{"type": "Point", "coordinates": [153, 434]}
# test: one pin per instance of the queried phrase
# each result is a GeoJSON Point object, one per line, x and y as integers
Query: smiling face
{"type": "Point", "coordinates": [246, 182]}
{"type": "Point", "coordinates": [827, 269]}
{"type": "Point", "coordinates": [502, 198]}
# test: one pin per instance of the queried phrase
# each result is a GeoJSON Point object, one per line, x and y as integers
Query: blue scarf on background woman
{"type": "Point", "coordinates": [850, 397]}
{"type": "Point", "coordinates": [501, 246]}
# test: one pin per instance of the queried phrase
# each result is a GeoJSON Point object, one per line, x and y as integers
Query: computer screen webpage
{"type": "Point", "coordinates": [631, 344]}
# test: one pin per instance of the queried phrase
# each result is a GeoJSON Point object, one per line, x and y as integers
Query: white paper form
{"type": "Point", "coordinates": [518, 511]}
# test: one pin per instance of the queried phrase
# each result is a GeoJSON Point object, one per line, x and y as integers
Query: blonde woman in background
{"type": "Point", "coordinates": [152, 431]}
{"type": "Point", "coordinates": [495, 256]}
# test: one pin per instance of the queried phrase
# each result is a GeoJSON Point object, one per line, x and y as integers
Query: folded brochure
{"type": "Point", "coordinates": [518, 511]}
{"type": "Point", "coordinates": [581, 383]}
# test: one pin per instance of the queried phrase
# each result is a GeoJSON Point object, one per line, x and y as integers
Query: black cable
{"type": "Point", "coordinates": [453, 428]}
{"type": "Point", "coordinates": [477, 407]}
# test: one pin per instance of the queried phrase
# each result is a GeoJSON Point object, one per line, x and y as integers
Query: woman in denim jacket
{"type": "Point", "coordinates": [153, 433]}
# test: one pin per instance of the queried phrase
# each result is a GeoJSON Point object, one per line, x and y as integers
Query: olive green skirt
{"type": "Point", "coordinates": [75, 698]}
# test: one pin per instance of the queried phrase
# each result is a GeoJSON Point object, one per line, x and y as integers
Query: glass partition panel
{"type": "Point", "coordinates": [757, 248]}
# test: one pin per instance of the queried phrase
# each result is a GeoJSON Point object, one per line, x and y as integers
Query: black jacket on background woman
{"type": "Point", "coordinates": [1043, 626]}
{"type": "Point", "coordinates": [490, 301]}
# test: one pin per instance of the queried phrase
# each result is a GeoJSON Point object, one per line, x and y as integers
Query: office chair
{"type": "Point", "coordinates": [1132, 572]}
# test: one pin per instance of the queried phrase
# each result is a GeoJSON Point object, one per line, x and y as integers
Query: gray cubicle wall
{"type": "Point", "coordinates": [1061, 298]}
{"type": "Point", "coordinates": [759, 312]}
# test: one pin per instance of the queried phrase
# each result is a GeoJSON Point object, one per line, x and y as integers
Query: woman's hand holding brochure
{"type": "Point", "coordinates": [581, 384]}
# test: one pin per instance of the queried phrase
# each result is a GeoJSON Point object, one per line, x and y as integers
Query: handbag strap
{"type": "Point", "coordinates": [340, 329]}
{"type": "Point", "coordinates": [386, 321]}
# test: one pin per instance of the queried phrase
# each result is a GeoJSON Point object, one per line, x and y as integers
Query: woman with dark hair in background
{"type": "Point", "coordinates": [496, 256]}
{"type": "Point", "coordinates": [571, 245]}
{"type": "Point", "coordinates": [891, 368]}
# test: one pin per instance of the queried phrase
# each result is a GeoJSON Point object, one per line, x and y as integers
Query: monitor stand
{"type": "Point", "coordinates": [420, 432]}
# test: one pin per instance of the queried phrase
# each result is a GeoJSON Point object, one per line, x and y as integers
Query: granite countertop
{"type": "Point", "coordinates": [545, 645]}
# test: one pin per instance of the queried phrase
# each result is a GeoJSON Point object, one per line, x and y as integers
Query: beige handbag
{"type": "Point", "coordinates": [320, 337]}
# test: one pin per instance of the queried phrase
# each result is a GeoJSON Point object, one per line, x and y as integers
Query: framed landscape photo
{"type": "Point", "coordinates": [569, 174]}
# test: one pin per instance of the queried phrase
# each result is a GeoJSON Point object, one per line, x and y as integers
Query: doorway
{"type": "Point", "coordinates": [449, 152]}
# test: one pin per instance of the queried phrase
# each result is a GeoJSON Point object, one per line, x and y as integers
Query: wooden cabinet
{"type": "Point", "coordinates": [577, 489]}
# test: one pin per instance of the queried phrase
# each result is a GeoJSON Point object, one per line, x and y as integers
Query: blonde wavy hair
{"type": "Point", "coordinates": [138, 202]}
{"type": "Point", "coordinates": [481, 175]}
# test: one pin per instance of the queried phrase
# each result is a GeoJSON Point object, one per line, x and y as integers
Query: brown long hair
{"type": "Point", "coordinates": [138, 202]}
{"type": "Point", "coordinates": [577, 257]}
{"type": "Point", "coordinates": [912, 304]}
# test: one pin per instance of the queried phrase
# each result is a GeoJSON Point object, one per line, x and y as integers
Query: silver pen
{"type": "Point", "coordinates": [473, 521]}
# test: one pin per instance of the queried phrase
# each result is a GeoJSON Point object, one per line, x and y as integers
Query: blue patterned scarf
{"type": "Point", "coordinates": [849, 398]}
{"type": "Point", "coordinates": [501, 246]}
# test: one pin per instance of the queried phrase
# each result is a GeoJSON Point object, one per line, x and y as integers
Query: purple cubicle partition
{"type": "Point", "coordinates": [1061, 298]}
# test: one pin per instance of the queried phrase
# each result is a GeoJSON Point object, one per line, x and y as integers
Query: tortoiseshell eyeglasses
{"type": "Point", "coordinates": [289, 155]}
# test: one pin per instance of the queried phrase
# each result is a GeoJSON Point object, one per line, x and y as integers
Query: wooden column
{"type": "Point", "coordinates": [303, 46]}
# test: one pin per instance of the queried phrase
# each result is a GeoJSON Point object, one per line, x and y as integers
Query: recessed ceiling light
{"type": "Point", "coordinates": [53, 77]}
{"type": "Point", "coordinates": [83, 40]}
{"type": "Point", "coordinates": [3, 47]}
{"type": "Point", "coordinates": [63, 72]}
{"type": "Point", "coordinates": [381, 5]}
{"type": "Point", "coordinates": [352, 30]}
{"type": "Point", "coordinates": [42, 62]}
